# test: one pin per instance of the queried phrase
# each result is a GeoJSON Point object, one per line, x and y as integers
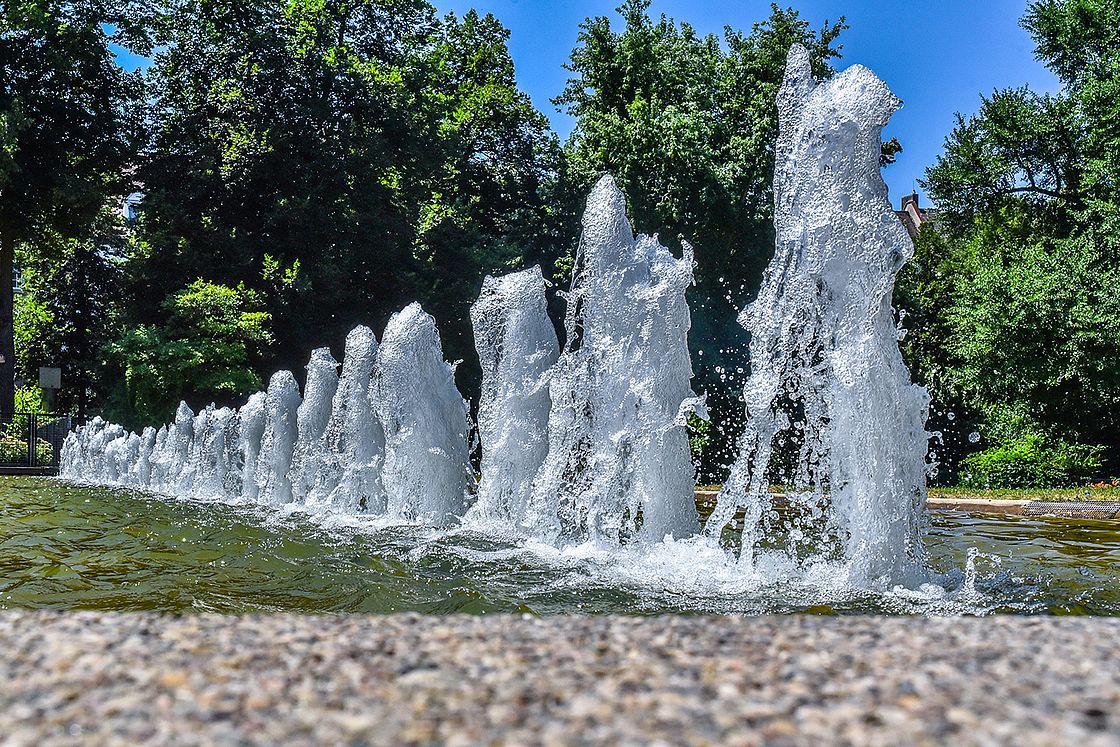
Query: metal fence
{"type": "Point", "coordinates": [32, 441]}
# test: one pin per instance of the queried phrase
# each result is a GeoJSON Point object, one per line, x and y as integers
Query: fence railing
{"type": "Point", "coordinates": [32, 440]}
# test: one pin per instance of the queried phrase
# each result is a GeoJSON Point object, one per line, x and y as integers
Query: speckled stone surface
{"type": "Point", "coordinates": [128, 679]}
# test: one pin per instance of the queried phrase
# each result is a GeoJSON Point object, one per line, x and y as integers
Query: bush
{"type": "Point", "coordinates": [14, 449]}
{"type": "Point", "coordinates": [1029, 462]}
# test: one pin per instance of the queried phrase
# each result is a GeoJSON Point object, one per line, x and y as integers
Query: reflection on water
{"type": "Point", "coordinates": [64, 546]}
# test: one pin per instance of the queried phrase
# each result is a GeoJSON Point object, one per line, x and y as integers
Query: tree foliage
{"type": "Point", "coordinates": [66, 131]}
{"type": "Point", "coordinates": [206, 351]}
{"type": "Point", "coordinates": [384, 149]}
{"type": "Point", "coordinates": [1021, 309]}
{"type": "Point", "coordinates": [67, 310]}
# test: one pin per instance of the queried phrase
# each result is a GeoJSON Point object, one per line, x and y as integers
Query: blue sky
{"type": "Point", "coordinates": [938, 57]}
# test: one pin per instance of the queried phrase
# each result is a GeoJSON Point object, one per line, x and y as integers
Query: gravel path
{"type": "Point", "coordinates": [128, 679]}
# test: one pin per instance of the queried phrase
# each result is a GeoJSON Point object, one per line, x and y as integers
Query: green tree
{"type": "Point", "coordinates": [206, 351]}
{"type": "Point", "coordinates": [67, 310]}
{"type": "Point", "coordinates": [1022, 316]}
{"type": "Point", "coordinates": [65, 132]}
{"type": "Point", "coordinates": [384, 149]}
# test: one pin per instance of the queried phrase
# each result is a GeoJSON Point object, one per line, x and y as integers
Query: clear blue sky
{"type": "Point", "coordinates": [938, 56]}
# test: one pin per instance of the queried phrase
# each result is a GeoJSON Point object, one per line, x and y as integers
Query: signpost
{"type": "Point", "coordinates": [50, 381]}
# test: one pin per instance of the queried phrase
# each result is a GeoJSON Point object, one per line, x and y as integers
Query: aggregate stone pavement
{"type": "Point", "coordinates": [145, 679]}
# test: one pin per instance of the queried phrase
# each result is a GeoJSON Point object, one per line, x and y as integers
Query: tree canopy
{"type": "Point", "coordinates": [1020, 294]}
{"type": "Point", "coordinates": [66, 132]}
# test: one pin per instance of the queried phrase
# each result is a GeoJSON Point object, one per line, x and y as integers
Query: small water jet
{"type": "Point", "coordinates": [311, 422]}
{"type": "Point", "coordinates": [349, 468]}
{"type": "Point", "coordinates": [278, 443]}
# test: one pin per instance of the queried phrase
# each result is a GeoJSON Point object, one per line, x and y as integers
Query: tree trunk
{"type": "Point", "coordinates": [7, 327]}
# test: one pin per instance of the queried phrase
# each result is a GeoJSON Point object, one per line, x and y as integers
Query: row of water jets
{"type": "Point", "coordinates": [586, 443]}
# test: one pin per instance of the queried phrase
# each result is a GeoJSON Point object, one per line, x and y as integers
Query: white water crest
{"type": "Point", "coordinates": [517, 348]}
{"type": "Point", "coordinates": [427, 461]}
{"type": "Point", "coordinates": [618, 464]}
{"type": "Point", "coordinates": [311, 422]}
{"type": "Point", "coordinates": [827, 377]}
{"type": "Point", "coordinates": [251, 434]}
{"type": "Point", "coordinates": [281, 404]}
{"type": "Point", "coordinates": [353, 448]}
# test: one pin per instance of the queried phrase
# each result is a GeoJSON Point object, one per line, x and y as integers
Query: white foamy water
{"type": "Point", "coordinates": [348, 477]}
{"type": "Point", "coordinates": [826, 369]}
{"type": "Point", "coordinates": [617, 445]}
{"type": "Point", "coordinates": [584, 449]}
{"type": "Point", "coordinates": [427, 464]}
{"type": "Point", "coordinates": [517, 348]}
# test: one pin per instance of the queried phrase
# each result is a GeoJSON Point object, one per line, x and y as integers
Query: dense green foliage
{"type": "Point", "coordinates": [65, 131]}
{"type": "Point", "coordinates": [1018, 314]}
{"type": "Point", "coordinates": [206, 350]}
{"type": "Point", "coordinates": [1029, 462]}
{"type": "Point", "coordinates": [14, 450]}
{"type": "Point", "coordinates": [67, 310]}
{"type": "Point", "coordinates": [385, 150]}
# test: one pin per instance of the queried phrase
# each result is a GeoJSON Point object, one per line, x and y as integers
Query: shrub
{"type": "Point", "coordinates": [14, 449]}
{"type": "Point", "coordinates": [1029, 462]}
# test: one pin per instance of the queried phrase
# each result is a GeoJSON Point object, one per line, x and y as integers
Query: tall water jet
{"type": "Point", "coordinates": [826, 371]}
{"type": "Point", "coordinates": [311, 422]}
{"type": "Point", "coordinates": [618, 464]}
{"type": "Point", "coordinates": [349, 472]}
{"type": "Point", "coordinates": [278, 441]}
{"type": "Point", "coordinates": [517, 346]}
{"type": "Point", "coordinates": [425, 420]}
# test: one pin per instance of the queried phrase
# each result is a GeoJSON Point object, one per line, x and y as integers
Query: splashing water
{"type": "Point", "coordinates": [517, 348]}
{"type": "Point", "coordinates": [586, 448]}
{"type": "Point", "coordinates": [617, 446]}
{"type": "Point", "coordinates": [353, 448]}
{"type": "Point", "coordinates": [825, 362]}
{"type": "Point", "coordinates": [311, 422]}
{"type": "Point", "coordinates": [424, 417]}
{"type": "Point", "coordinates": [281, 405]}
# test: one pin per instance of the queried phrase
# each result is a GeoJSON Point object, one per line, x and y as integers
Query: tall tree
{"type": "Point", "coordinates": [66, 309]}
{"type": "Point", "coordinates": [385, 150]}
{"type": "Point", "coordinates": [64, 132]}
{"type": "Point", "coordinates": [1029, 189]}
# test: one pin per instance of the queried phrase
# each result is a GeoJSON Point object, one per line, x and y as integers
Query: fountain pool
{"type": "Point", "coordinates": [359, 492]}
{"type": "Point", "coordinates": [66, 546]}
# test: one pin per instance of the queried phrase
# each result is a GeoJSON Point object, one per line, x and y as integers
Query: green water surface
{"type": "Point", "coordinates": [72, 547]}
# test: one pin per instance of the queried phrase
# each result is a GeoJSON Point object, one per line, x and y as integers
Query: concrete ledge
{"type": "Point", "coordinates": [1074, 509]}
{"type": "Point", "coordinates": [1089, 509]}
{"type": "Point", "coordinates": [976, 505]}
{"type": "Point", "coordinates": [90, 678]}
